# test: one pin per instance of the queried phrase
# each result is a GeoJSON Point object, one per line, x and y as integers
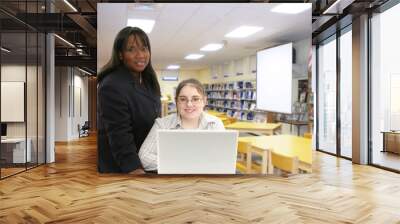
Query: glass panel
{"type": "Point", "coordinates": [386, 89]}
{"type": "Point", "coordinates": [41, 99]}
{"type": "Point", "coordinates": [346, 94]}
{"type": "Point", "coordinates": [13, 85]}
{"type": "Point", "coordinates": [31, 98]}
{"type": "Point", "coordinates": [327, 96]}
{"type": "Point", "coordinates": [22, 76]}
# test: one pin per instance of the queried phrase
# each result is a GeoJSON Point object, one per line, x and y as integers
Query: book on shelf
{"type": "Point", "coordinates": [236, 99]}
{"type": "Point", "coordinates": [249, 85]}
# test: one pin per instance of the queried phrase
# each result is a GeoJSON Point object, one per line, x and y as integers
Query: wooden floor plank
{"type": "Point", "coordinates": [71, 191]}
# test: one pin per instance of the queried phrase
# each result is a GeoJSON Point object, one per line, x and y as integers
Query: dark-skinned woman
{"type": "Point", "coordinates": [128, 103]}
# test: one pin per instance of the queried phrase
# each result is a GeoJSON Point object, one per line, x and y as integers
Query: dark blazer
{"type": "Point", "coordinates": [125, 113]}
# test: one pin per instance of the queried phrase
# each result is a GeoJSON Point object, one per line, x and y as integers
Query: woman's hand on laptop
{"type": "Point", "coordinates": [137, 171]}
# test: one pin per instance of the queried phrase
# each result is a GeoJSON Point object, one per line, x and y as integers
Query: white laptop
{"type": "Point", "coordinates": [197, 151]}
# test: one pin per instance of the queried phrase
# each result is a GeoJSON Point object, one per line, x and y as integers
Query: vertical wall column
{"type": "Point", "coordinates": [50, 92]}
{"type": "Point", "coordinates": [50, 98]}
{"type": "Point", "coordinates": [92, 86]}
{"type": "Point", "coordinates": [360, 90]}
{"type": "Point", "coordinates": [62, 103]}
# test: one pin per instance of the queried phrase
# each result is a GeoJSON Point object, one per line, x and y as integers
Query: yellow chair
{"type": "Point", "coordinates": [242, 149]}
{"type": "Point", "coordinates": [242, 164]}
{"type": "Point", "coordinates": [285, 163]}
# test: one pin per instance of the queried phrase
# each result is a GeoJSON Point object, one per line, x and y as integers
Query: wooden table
{"type": "Point", "coordinates": [298, 124]}
{"type": "Point", "coordinates": [263, 128]}
{"type": "Point", "coordinates": [287, 145]}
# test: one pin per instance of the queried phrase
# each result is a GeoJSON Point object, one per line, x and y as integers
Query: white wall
{"type": "Point", "coordinates": [168, 87]}
{"type": "Point", "coordinates": [12, 73]}
{"type": "Point", "coordinates": [33, 127]}
{"type": "Point", "coordinates": [70, 84]}
{"type": "Point", "coordinates": [61, 103]}
{"type": "Point", "coordinates": [217, 73]}
{"type": "Point", "coordinates": [79, 117]}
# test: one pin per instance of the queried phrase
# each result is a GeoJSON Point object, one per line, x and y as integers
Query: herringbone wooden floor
{"type": "Point", "coordinates": [71, 191]}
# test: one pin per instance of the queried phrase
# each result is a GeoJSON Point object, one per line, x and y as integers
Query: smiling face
{"type": "Point", "coordinates": [190, 103]}
{"type": "Point", "coordinates": [136, 55]}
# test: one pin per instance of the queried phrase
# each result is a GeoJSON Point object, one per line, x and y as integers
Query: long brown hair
{"type": "Point", "coordinates": [149, 75]}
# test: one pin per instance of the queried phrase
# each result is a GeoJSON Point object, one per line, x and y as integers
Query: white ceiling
{"type": "Point", "coordinates": [183, 28]}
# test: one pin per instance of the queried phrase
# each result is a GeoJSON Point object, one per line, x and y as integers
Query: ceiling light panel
{"type": "Point", "coordinates": [291, 8]}
{"type": "Point", "coordinates": [244, 31]}
{"type": "Point", "coordinates": [194, 56]}
{"type": "Point", "coordinates": [212, 47]}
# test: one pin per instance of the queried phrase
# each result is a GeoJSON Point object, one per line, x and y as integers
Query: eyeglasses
{"type": "Point", "coordinates": [185, 100]}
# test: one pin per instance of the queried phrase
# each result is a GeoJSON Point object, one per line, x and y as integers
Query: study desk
{"type": "Point", "coordinates": [263, 128]}
{"type": "Point", "coordinates": [287, 145]}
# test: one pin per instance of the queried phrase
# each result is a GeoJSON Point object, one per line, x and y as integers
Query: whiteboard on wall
{"type": "Point", "coordinates": [12, 101]}
{"type": "Point", "coordinates": [274, 79]}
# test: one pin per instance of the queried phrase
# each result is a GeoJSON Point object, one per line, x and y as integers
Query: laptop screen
{"type": "Point", "coordinates": [197, 151]}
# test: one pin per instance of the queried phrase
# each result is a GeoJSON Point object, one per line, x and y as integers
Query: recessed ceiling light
{"type": "Point", "coordinates": [70, 5]}
{"type": "Point", "coordinates": [5, 50]}
{"type": "Point", "coordinates": [170, 78]}
{"type": "Point", "coordinates": [291, 8]}
{"type": "Point", "coordinates": [145, 24]}
{"type": "Point", "coordinates": [212, 47]}
{"type": "Point", "coordinates": [243, 31]}
{"type": "Point", "coordinates": [173, 67]}
{"type": "Point", "coordinates": [194, 56]}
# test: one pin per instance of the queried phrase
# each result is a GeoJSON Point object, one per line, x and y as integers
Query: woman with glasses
{"type": "Point", "coordinates": [190, 102]}
{"type": "Point", "coordinates": [128, 103]}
